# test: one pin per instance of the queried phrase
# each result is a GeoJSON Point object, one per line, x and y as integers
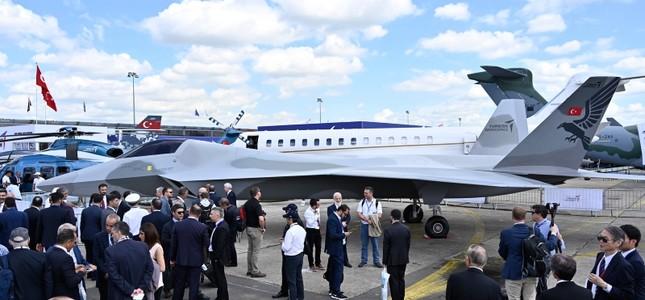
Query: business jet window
{"type": "Point", "coordinates": [292, 143]}
{"type": "Point", "coordinates": [304, 142]}
{"type": "Point", "coordinates": [417, 140]}
{"type": "Point", "coordinates": [316, 142]}
{"type": "Point", "coordinates": [328, 142]}
{"type": "Point", "coordinates": [341, 141]}
{"type": "Point", "coordinates": [155, 147]}
{"type": "Point", "coordinates": [366, 141]}
{"type": "Point", "coordinates": [390, 140]}
{"type": "Point", "coordinates": [378, 140]}
{"type": "Point", "coordinates": [404, 140]}
{"type": "Point", "coordinates": [29, 170]}
{"type": "Point", "coordinates": [268, 143]}
{"type": "Point", "coordinates": [353, 141]}
{"type": "Point", "coordinates": [280, 143]}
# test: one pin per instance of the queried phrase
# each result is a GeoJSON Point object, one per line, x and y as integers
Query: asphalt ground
{"type": "Point", "coordinates": [431, 260]}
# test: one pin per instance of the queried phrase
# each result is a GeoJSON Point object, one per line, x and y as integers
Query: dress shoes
{"type": "Point", "coordinates": [280, 294]}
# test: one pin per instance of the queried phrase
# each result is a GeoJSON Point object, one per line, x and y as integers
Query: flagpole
{"type": "Point", "coordinates": [36, 103]}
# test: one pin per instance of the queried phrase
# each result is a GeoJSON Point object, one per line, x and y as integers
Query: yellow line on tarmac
{"type": "Point", "coordinates": [436, 282]}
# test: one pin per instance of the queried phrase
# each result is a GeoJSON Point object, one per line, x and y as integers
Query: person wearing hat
{"type": "Point", "coordinates": [31, 277]}
{"type": "Point", "coordinates": [293, 247]}
{"type": "Point", "coordinates": [284, 288]}
{"type": "Point", "coordinates": [134, 215]}
{"type": "Point", "coordinates": [38, 178]}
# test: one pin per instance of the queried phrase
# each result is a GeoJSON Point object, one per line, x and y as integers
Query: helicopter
{"type": "Point", "coordinates": [64, 155]}
{"type": "Point", "coordinates": [231, 134]}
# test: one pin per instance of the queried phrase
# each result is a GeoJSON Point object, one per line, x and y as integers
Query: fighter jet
{"type": "Point", "coordinates": [547, 156]}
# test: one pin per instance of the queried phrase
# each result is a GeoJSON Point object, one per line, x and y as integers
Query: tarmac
{"type": "Point", "coordinates": [431, 260]}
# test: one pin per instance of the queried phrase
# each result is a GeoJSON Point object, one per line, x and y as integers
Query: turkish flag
{"type": "Point", "coordinates": [574, 111]}
{"type": "Point", "coordinates": [40, 81]}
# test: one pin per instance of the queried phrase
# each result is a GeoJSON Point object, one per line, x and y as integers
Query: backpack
{"type": "Point", "coordinates": [535, 255]}
{"type": "Point", "coordinates": [241, 219]}
{"type": "Point", "coordinates": [363, 202]}
{"type": "Point", "coordinates": [6, 280]}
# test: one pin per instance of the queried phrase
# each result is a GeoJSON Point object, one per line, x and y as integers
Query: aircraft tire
{"type": "Point", "coordinates": [407, 214]}
{"type": "Point", "coordinates": [437, 227]}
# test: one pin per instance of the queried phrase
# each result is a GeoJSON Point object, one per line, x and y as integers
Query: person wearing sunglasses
{"type": "Point", "coordinates": [178, 212]}
{"type": "Point", "coordinates": [612, 277]}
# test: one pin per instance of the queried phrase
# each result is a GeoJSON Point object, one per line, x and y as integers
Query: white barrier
{"type": "Point", "coordinates": [475, 200]}
{"type": "Point", "coordinates": [575, 199]}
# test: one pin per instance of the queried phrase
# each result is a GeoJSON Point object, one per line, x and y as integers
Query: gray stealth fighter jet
{"type": "Point", "coordinates": [549, 155]}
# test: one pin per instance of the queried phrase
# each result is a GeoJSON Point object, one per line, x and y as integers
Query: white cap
{"type": "Point", "coordinates": [132, 198]}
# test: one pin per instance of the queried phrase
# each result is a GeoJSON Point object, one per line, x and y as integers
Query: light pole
{"type": "Point", "coordinates": [407, 112]}
{"type": "Point", "coordinates": [133, 75]}
{"type": "Point", "coordinates": [320, 110]}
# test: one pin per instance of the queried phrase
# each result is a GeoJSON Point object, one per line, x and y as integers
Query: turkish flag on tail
{"type": "Point", "coordinates": [40, 81]}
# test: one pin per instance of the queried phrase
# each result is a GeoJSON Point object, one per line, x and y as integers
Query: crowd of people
{"type": "Point", "coordinates": [158, 252]}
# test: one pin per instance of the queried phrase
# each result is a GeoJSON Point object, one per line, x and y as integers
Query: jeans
{"type": "Point", "coordinates": [365, 239]}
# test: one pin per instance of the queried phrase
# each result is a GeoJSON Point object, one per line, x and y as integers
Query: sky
{"type": "Point", "coordinates": [369, 60]}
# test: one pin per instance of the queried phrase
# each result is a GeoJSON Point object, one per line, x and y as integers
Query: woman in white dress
{"type": "Point", "coordinates": [149, 235]}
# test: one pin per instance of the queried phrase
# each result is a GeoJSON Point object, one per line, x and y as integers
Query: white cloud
{"type": "Point", "coordinates": [487, 44]}
{"type": "Point", "coordinates": [535, 7]}
{"type": "Point", "coordinates": [547, 23]}
{"type": "Point", "coordinates": [30, 30]}
{"type": "Point", "coordinates": [498, 19]}
{"type": "Point", "coordinates": [435, 81]}
{"type": "Point", "coordinates": [374, 32]}
{"type": "Point", "coordinates": [221, 23]}
{"type": "Point", "coordinates": [454, 11]}
{"type": "Point", "coordinates": [236, 97]}
{"type": "Point", "coordinates": [335, 45]}
{"type": "Point", "coordinates": [3, 59]}
{"type": "Point", "coordinates": [566, 48]}
{"type": "Point", "coordinates": [385, 115]}
{"type": "Point", "coordinates": [631, 63]}
{"type": "Point", "coordinates": [550, 77]}
{"type": "Point", "coordinates": [346, 14]}
{"type": "Point", "coordinates": [93, 62]}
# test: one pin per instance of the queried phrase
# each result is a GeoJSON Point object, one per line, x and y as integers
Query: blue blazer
{"type": "Point", "coordinates": [157, 218]}
{"type": "Point", "coordinates": [620, 274]}
{"type": "Point", "coordinates": [50, 219]}
{"type": "Point", "coordinates": [510, 249]}
{"type": "Point", "coordinates": [65, 278]}
{"type": "Point", "coordinates": [129, 267]}
{"type": "Point", "coordinates": [189, 239]}
{"type": "Point", "coordinates": [11, 219]}
{"type": "Point", "coordinates": [91, 222]}
{"type": "Point", "coordinates": [334, 237]}
{"type": "Point", "coordinates": [330, 211]}
{"type": "Point", "coordinates": [636, 261]}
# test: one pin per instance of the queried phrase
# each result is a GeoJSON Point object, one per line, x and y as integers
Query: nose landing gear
{"type": "Point", "coordinates": [436, 227]}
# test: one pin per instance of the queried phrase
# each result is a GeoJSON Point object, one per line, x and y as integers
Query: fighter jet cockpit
{"type": "Point", "coordinates": [154, 148]}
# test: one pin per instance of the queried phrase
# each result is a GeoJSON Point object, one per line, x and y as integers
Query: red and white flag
{"type": "Point", "coordinates": [40, 81]}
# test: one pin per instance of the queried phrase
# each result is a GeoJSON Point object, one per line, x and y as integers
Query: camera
{"type": "Point", "coordinates": [552, 207]}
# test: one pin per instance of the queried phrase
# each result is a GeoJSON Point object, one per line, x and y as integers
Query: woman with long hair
{"type": "Point", "coordinates": [149, 235]}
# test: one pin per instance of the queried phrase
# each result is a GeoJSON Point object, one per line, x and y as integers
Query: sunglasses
{"type": "Point", "coordinates": [180, 212]}
{"type": "Point", "coordinates": [602, 239]}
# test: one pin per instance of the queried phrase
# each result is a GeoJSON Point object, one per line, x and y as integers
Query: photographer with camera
{"type": "Point", "coordinates": [550, 234]}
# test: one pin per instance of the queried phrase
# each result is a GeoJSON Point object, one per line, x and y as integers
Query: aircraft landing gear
{"type": "Point", "coordinates": [413, 213]}
{"type": "Point", "coordinates": [437, 226]}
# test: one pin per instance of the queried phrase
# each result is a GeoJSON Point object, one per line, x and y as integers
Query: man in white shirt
{"type": "Point", "coordinates": [293, 246]}
{"type": "Point", "coordinates": [366, 208]}
{"type": "Point", "coordinates": [134, 215]}
{"type": "Point", "coordinates": [312, 224]}
{"type": "Point", "coordinates": [3, 196]}
{"type": "Point", "coordinates": [38, 178]}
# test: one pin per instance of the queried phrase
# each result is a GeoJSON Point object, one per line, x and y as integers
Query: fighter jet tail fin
{"type": "Point", "coordinates": [562, 139]}
{"type": "Point", "coordinates": [513, 83]}
{"type": "Point", "coordinates": [504, 130]}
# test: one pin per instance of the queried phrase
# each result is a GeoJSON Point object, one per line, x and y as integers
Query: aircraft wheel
{"type": "Point", "coordinates": [407, 214]}
{"type": "Point", "coordinates": [437, 227]}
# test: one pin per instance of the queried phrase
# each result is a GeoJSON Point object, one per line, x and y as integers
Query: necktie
{"type": "Point", "coordinates": [601, 268]}
{"type": "Point", "coordinates": [110, 242]}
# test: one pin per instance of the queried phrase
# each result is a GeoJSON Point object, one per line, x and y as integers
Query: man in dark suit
{"type": "Point", "coordinates": [11, 219]}
{"type": "Point", "coordinates": [230, 195]}
{"type": "Point", "coordinates": [396, 248]}
{"type": "Point", "coordinates": [31, 275]}
{"type": "Point", "coordinates": [612, 277]}
{"type": "Point", "coordinates": [629, 251]}
{"type": "Point", "coordinates": [128, 265]}
{"type": "Point", "coordinates": [91, 224]}
{"type": "Point", "coordinates": [102, 241]}
{"type": "Point", "coordinates": [113, 201]}
{"type": "Point", "coordinates": [33, 214]}
{"type": "Point", "coordinates": [189, 240]}
{"type": "Point", "coordinates": [218, 251]}
{"type": "Point", "coordinates": [338, 201]}
{"type": "Point", "coordinates": [510, 249]}
{"type": "Point", "coordinates": [166, 242]}
{"type": "Point", "coordinates": [473, 284]}
{"type": "Point", "coordinates": [563, 268]}
{"type": "Point", "coordinates": [231, 217]}
{"type": "Point", "coordinates": [335, 238]}
{"type": "Point", "coordinates": [66, 276]}
{"type": "Point", "coordinates": [50, 219]}
{"type": "Point", "coordinates": [156, 217]}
